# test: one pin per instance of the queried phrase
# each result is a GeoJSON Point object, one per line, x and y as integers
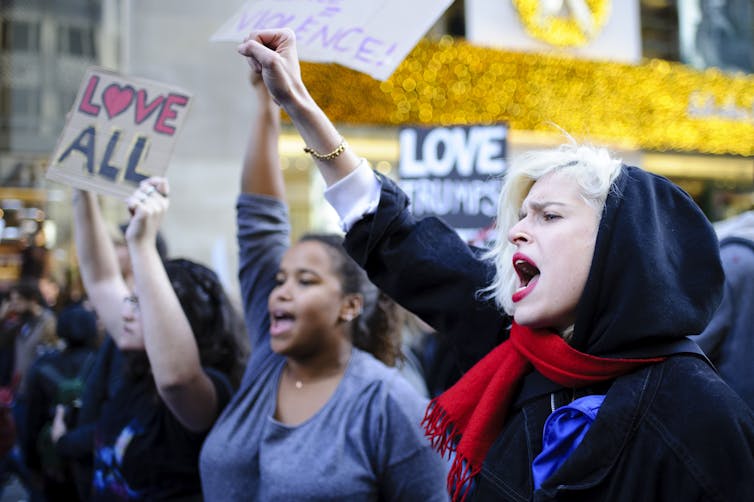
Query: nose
{"type": "Point", "coordinates": [517, 233]}
{"type": "Point", "coordinates": [281, 292]}
{"type": "Point", "coordinates": [128, 314]}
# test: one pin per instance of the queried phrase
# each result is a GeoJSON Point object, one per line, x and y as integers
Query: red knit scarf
{"type": "Point", "coordinates": [470, 415]}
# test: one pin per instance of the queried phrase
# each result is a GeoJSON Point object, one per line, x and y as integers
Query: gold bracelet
{"type": "Point", "coordinates": [327, 156]}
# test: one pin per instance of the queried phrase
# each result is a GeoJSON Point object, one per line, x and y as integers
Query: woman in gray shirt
{"type": "Point", "coordinates": [317, 417]}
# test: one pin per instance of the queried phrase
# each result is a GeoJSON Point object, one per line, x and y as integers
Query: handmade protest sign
{"type": "Point", "coordinates": [454, 173]}
{"type": "Point", "coordinates": [120, 131]}
{"type": "Point", "coordinates": [370, 37]}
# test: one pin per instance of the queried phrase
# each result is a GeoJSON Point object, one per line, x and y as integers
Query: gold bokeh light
{"type": "Point", "coordinates": [657, 105]}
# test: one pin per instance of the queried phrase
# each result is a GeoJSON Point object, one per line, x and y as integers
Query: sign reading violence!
{"type": "Point", "coordinates": [371, 37]}
{"type": "Point", "coordinates": [454, 173]}
{"type": "Point", "coordinates": [121, 130]}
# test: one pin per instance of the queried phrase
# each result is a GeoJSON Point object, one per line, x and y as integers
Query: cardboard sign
{"type": "Point", "coordinates": [454, 173]}
{"type": "Point", "coordinates": [370, 37]}
{"type": "Point", "coordinates": [120, 131]}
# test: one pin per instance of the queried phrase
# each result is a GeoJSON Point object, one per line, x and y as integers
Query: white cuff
{"type": "Point", "coordinates": [355, 195]}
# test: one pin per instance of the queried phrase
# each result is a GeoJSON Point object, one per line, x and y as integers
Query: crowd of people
{"type": "Point", "coordinates": [596, 351]}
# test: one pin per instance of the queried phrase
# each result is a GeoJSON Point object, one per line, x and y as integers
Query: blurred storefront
{"type": "Point", "coordinates": [638, 76]}
{"type": "Point", "coordinates": [45, 46]}
{"type": "Point", "coordinates": [695, 126]}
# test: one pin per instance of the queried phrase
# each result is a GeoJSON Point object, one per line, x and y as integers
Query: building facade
{"type": "Point", "coordinates": [648, 89]}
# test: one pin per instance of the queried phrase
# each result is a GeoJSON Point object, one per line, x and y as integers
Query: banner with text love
{"type": "Point", "coordinates": [120, 131]}
{"type": "Point", "coordinates": [370, 37]}
{"type": "Point", "coordinates": [455, 173]}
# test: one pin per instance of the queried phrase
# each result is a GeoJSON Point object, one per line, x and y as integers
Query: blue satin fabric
{"type": "Point", "coordinates": [564, 430]}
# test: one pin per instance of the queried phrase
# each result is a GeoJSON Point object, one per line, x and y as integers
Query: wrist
{"type": "Point", "coordinates": [269, 112]}
{"type": "Point", "coordinates": [299, 104]}
{"type": "Point", "coordinates": [141, 247]}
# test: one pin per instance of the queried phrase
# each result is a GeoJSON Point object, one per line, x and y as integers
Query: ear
{"type": "Point", "coordinates": [351, 307]}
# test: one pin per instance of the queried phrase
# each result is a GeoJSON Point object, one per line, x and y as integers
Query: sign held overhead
{"type": "Point", "coordinates": [120, 131]}
{"type": "Point", "coordinates": [370, 37]}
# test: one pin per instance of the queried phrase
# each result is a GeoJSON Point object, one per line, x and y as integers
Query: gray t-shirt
{"type": "Point", "coordinates": [365, 443]}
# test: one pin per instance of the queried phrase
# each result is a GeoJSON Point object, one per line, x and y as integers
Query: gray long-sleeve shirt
{"type": "Point", "coordinates": [364, 444]}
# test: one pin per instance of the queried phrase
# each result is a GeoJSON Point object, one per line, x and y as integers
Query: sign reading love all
{"type": "Point", "coordinates": [120, 131]}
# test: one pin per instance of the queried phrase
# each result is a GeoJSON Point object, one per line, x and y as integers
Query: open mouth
{"type": "Point", "coordinates": [526, 271]}
{"type": "Point", "coordinates": [528, 275]}
{"type": "Point", "coordinates": [280, 322]}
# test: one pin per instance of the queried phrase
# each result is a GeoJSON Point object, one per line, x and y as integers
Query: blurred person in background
{"type": "Point", "coordinates": [180, 340]}
{"type": "Point", "coordinates": [35, 329]}
{"type": "Point", "coordinates": [27, 331]}
{"type": "Point", "coordinates": [728, 340]}
{"type": "Point", "coordinates": [104, 380]}
{"type": "Point", "coordinates": [56, 381]}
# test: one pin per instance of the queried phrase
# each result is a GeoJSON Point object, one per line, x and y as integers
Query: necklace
{"type": "Point", "coordinates": [299, 383]}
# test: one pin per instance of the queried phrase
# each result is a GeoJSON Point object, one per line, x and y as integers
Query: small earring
{"type": "Point", "coordinates": [348, 317]}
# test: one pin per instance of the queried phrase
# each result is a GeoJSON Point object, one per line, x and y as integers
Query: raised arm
{"type": "Point", "coordinates": [423, 265]}
{"type": "Point", "coordinates": [261, 164]}
{"type": "Point", "coordinates": [98, 263]}
{"type": "Point", "coordinates": [272, 54]}
{"type": "Point", "coordinates": [262, 215]}
{"type": "Point", "coordinates": [168, 339]}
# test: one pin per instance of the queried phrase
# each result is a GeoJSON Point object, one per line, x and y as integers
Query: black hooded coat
{"type": "Point", "coordinates": [668, 431]}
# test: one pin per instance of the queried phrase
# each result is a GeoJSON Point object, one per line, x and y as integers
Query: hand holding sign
{"type": "Point", "coordinates": [121, 130]}
{"type": "Point", "coordinates": [148, 205]}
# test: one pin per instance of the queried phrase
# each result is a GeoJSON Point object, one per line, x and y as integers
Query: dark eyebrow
{"type": "Point", "coordinates": [539, 206]}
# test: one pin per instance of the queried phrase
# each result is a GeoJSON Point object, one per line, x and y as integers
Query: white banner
{"type": "Point", "coordinates": [371, 37]}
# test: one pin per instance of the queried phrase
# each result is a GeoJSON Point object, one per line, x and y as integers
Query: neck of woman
{"type": "Point", "coordinates": [319, 367]}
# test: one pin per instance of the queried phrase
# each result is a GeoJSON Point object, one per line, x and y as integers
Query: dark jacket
{"type": "Point", "coordinates": [43, 392]}
{"type": "Point", "coordinates": [670, 431]}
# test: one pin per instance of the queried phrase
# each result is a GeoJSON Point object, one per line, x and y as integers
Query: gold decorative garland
{"type": "Point", "coordinates": [657, 105]}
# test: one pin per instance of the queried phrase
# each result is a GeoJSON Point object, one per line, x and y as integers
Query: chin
{"type": "Point", "coordinates": [534, 323]}
{"type": "Point", "coordinates": [523, 318]}
{"type": "Point", "coordinates": [278, 348]}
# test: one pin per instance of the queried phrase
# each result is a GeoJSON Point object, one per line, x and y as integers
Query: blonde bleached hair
{"type": "Point", "coordinates": [593, 169]}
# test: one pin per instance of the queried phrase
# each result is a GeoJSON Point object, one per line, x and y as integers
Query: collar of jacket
{"type": "Point", "coordinates": [621, 413]}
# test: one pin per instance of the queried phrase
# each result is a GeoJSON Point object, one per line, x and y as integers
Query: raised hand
{"type": "Point", "coordinates": [147, 205]}
{"type": "Point", "coordinates": [272, 55]}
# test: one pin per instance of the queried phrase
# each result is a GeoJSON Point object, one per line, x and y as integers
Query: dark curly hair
{"type": "Point", "coordinates": [378, 329]}
{"type": "Point", "coordinates": [216, 324]}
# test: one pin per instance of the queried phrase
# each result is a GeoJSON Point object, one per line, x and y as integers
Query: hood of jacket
{"type": "Point", "coordinates": [656, 275]}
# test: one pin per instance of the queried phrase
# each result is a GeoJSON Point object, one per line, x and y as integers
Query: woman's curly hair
{"type": "Point", "coordinates": [216, 324]}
